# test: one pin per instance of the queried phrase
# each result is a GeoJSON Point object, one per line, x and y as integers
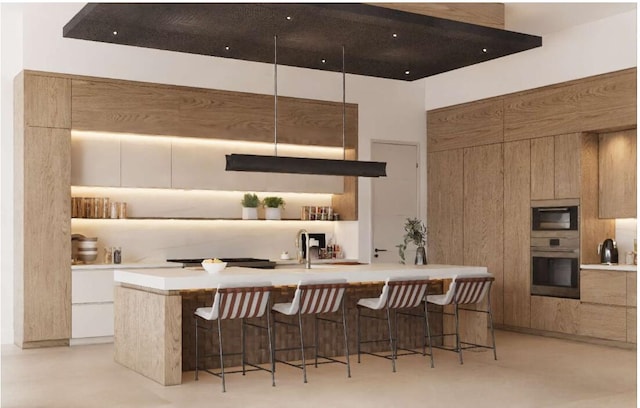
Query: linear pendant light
{"type": "Point", "coordinates": [303, 165]}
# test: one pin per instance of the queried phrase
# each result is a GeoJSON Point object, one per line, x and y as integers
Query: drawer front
{"type": "Point", "coordinates": [604, 322]}
{"type": "Point", "coordinates": [555, 314]}
{"type": "Point", "coordinates": [92, 320]}
{"type": "Point", "coordinates": [631, 324]}
{"type": "Point", "coordinates": [88, 286]}
{"type": "Point", "coordinates": [631, 288]}
{"type": "Point", "coordinates": [603, 287]}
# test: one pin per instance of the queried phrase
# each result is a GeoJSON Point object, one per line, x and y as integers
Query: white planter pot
{"type": "Point", "coordinates": [272, 213]}
{"type": "Point", "coordinates": [249, 213]}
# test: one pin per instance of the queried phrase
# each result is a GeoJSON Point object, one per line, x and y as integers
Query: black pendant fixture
{"type": "Point", "coordinates": [304, 165]}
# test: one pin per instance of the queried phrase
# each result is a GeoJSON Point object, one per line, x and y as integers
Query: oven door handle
{"type": "Point", "coordinates": [554, 253]}
{"type": "Point", "coordinates": [552, 209]}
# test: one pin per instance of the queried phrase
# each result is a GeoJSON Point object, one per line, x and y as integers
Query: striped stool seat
{"type": "Point", "coordinates": [464, 290]}
{"type": "Point", "coordinates": [242, 301]}
{"type": "Point", "coordinates": [315, 297]}
{"type": "Point", "coordinates": [398, 293]}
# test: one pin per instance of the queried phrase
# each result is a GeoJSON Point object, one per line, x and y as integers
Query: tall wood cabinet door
{"type": "Point", "coordinates": [517, 227]}
{"type": "Point", "coordinates": [542, 168]}
{"type": "Point", "coordinates": [617, 176]}
{"type": "Point", "coordinates": [483, 216]}
{"type": "Point", "coordinates": [47, 101]}
{"type": "Point", "coordinates": [567, 150]}
{"type": "Point", "coordinates": [46, 275]}
{"type": "Point", "coordinates": [445, 207]}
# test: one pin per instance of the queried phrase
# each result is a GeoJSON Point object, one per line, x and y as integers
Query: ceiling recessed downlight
{"type": "Point", "coordinates": [394, 35]}
{"type": "Point", "coordinates": [407, 72]}
{"type": "Point", "coordinates": [115, 32]}
{"type": "Point", "coordinates": [484, 50]}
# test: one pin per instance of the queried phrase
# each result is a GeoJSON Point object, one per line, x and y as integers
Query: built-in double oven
{"type": "Point", "coordinates": [555, 248]}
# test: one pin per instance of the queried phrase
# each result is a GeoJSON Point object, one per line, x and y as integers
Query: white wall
{"type": "Point", "coordinates": [388, 109]}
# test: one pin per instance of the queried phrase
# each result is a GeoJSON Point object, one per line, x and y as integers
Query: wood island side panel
{"type": "Point", "coordinates": [147, 334]}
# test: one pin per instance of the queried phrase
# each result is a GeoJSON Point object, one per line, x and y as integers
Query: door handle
{"type": "Point", "coordinates": [380, 250]}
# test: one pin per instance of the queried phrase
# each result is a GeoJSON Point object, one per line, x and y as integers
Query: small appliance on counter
{"type": "Point", "coordinates": [608, 251]}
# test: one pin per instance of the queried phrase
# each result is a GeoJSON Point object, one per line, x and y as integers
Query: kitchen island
{"type": "Point", "coordinates": [154, 307]}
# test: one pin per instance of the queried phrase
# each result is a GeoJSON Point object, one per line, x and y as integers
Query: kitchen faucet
{"type": "Point", "coordinates": [298, 246]}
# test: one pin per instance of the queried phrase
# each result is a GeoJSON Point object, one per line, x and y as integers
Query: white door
{"type": "Point", "coordinates": [395, 198]}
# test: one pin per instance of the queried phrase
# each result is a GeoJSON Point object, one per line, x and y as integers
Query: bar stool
{"type": "Point", "coordinates": [236, 301]}
{"type": "Point", "coordinates": [314, 297]}
{"type": "Point", "coordinates": [398, 293]}
{"type": "Point", "coordinates": [468, 289]}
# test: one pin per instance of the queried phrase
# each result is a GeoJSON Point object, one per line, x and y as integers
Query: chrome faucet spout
{"type": "Point", "coordinates": [307, 259]}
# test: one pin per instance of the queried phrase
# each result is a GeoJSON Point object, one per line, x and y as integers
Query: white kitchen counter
{"type": "Point", "coordinates": [136, 265]}
{"type": "Point", "coordinates": [615, 267]}
{"type": "Point", "coordinates": [198, 278]}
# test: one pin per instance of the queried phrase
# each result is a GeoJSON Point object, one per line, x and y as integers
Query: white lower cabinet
{"type": "Point", "coordinates": [91, 305]}
{"type": "Point", "coordinates": [91, 320]}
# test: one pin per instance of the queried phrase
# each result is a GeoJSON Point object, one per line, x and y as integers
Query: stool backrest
{"type": "Point", "coordinates": [241, 302]}
{"type": "Point", "coordinates": [405, 292]}
{"type": "Point", "coordinates": [319, 297]}
{"type": "Point", "coordinates": [470, 290]}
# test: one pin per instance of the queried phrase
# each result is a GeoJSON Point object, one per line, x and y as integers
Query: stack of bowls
{"type": "Point", "coordinates": [87, 249]}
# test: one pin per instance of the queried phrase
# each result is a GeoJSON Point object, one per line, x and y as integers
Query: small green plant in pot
{"type": "Point", "coordinates": [415, 233]}
{"type": "Point", "coordinates": [273, 206]}
{"type": "Point", "coordinates": [250, 202]}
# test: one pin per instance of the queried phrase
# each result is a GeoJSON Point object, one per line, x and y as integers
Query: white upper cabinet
{"type": "Point", "coordinates": [95, 161]}
{"type": "Point", "coordinates": [145, 162]}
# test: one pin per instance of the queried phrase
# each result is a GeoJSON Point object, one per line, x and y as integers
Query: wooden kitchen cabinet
{"type": "Point", "coordinates": [603, 287]}
{"type": "Point", "coordinates": [632, 282]}
{"type": "Point", "coordinates": [555, 314]}
{"type": "Point", "coordinates": [445, 207]}
{"type": "Point", "coordinates": [555, 167]}
{"type": "Point", "coordinates": [517, 234]}
{"type": "Point", "coordinates": [542, 168]}
{"type": "Point", "coordinates": [145, 162]}
{"type": "Point", "coordinates": [604, 322]}
{"type": "Point", "coordinates": [47, 101]}
{"type": "Point", "coordinates": [632, 323]}
{"type": "Point", "coordinates": [483, 216]}
{"type": "Point", "coordinates": [95, 161]}
{"type": "Point", "coordinates": [617, 176]}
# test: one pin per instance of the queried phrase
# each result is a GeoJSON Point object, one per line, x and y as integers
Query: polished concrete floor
{"type": "Point", "coordinates": [531, 371]}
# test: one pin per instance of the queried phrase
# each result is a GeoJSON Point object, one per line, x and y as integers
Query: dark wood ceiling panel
{"type": "Point", "coordinates": [309, 35]}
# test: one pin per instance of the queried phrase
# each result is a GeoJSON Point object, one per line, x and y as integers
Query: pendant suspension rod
{"type": "Point", "coordinates": [275, 94]}
{"type": "Point", "coordinates": [344, 108]}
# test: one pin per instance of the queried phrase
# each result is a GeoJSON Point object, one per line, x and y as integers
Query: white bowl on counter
{"type": "Point", "coordinates": [214, 267]}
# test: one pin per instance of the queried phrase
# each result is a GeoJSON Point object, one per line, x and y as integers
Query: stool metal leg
{"type": "Point", "coordinates": [346, 340]}
{"type": "Point", "coordinates": [493, 336]}
{"type": "Point", "coordinates": [304, 364]}
{"type": "Point", "coordinates": [458, 348]}
{"type": "Point", "coordinates": [358, 331]}
{"type": "Point", "coordinates": [393, 353]}
{"type": "Point", "coordinates": [195, 320]}
{"type": "Point", "coordinates": [242, 343]}
{"type": "Point", "coordinates": [426, 318]}
{"type": "Point", "coordinates": [271, 349]}
{"type": "Point", "coordinates": [315, 335]}
{"type": "Point", "coordinates": [224, 388]}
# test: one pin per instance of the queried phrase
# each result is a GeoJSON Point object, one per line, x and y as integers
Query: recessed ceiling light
{"type": "Point", "coordinates": [394, 35]}
{"type": "Point", "coordinates": [115, 33]}
{"type": "Point", "coordinates": [288, 17]}
{"type": "Point", "coordinates": [484, 50]}
{"type": "Point", "coordinates": [407, 72]}
{"type": "Point", "coordinates": [324, 61]}
{"type": "Point", "coordinates": [227, 48]}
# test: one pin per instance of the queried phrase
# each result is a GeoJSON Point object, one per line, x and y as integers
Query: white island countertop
{"type": "Point", "coordinates": [198, 278]}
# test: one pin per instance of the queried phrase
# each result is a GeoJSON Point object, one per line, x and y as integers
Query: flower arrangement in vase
{"type": "Point", "coordinates": [415, 233]}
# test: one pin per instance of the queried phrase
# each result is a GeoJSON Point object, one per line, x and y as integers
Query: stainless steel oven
{"type": "Point", "coordinates": [555, 249]}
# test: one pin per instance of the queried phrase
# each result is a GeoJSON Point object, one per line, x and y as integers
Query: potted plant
{"type": "Point", "coordinates": [416, 233]}
{"type": "Point", "coordinates": [273, 207]}
{"type": "Point", "coordinates": [250, 203]}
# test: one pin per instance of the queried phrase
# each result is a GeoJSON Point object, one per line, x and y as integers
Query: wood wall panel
{"type": "Point", "coordinates": [483, 216]}
{"type": "Point", "coordinates": [542, 168]}
{"type": "Point", "coordinates": [46, 205]}
{"type": "Point", "coordinates": [608, 101]}
{"type": "Point", "coordinates": [147, 334]}
{"type": "Point", "coordinates": [486, 14]}
{"type": "Point", "coordinates": [445, 207]}
{"type": "Point", "coordinates": [47, 101]}
{"type": "Point", "coordinates": [555, 314]}
{"type": "Point", "coordinates": [604, 287]}
{"type": "Point", "coordinates": [466, 125]}
{"type": "Point", "coordinates": [130, 107]}
{"type": "Point", "coordinates": [541, 112]}
{"type": "Point", "coordinates": [593, 230]}
{"type": "Point", "coordinates": [567, 149]}
{"type": "Point", "coordinates": [517, 232]}
{"type": "Point", "coordinates": [617, 160]}
{"type": "Point", "coordinates": [604, 322]}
